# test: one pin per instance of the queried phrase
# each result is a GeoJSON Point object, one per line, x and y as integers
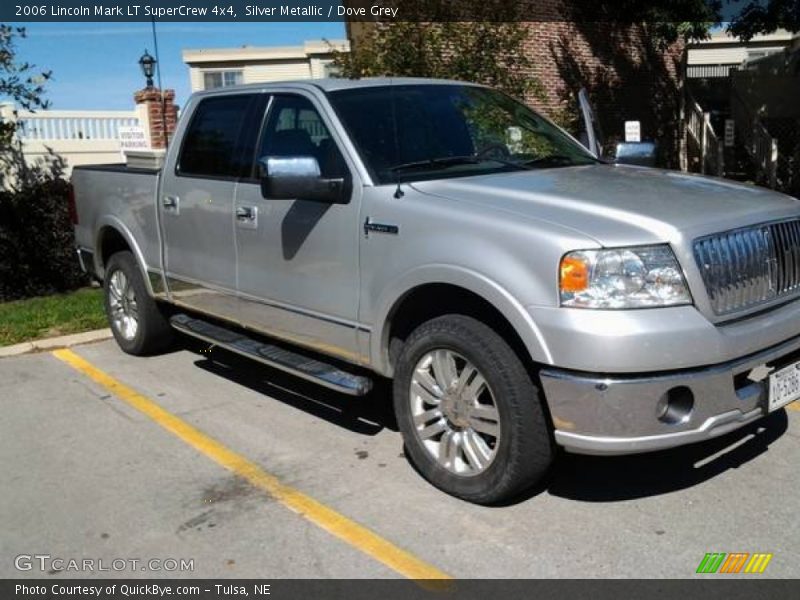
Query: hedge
{"type": "Point", "coordinates": [37, 249]}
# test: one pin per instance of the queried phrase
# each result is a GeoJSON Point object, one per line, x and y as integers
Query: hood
{"type": "Point", "coordinates": [621, 205]}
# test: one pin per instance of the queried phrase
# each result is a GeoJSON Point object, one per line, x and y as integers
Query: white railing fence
{"type": "Point", "coordinates": [73, 125]}
{"type": "Point", "coordinates": [705, 140]}
{"type": "Point", "coordinates": [79, 137]}
{"type": "Point", "coordinates": [762, 147]}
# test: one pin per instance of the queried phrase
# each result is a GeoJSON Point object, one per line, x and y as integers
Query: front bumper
{"type": "Point", "coordinates": [619, 414]}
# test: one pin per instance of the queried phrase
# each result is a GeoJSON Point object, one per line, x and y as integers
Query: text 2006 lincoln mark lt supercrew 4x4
{"type": "Point", "coordinates": [521, 293]}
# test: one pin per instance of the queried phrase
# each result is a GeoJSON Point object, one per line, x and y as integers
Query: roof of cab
{"type": "Point", "coordinates": [335, 84]}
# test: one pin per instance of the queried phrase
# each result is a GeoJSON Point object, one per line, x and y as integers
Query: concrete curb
{"type": "Point", "coordinates": [64, 341]}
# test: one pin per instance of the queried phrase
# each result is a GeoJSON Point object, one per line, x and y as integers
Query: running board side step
{"type": "Point", "coordinates": [293, 363]}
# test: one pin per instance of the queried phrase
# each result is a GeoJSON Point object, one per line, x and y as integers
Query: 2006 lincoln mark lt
{"type": "Point", "coordinates": [521, 293]}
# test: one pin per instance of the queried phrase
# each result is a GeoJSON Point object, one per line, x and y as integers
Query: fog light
{"type": "Point", "coordinates": [675, 406]}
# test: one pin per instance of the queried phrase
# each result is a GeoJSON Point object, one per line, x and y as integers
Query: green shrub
{"type": "Point", "coordinates": [37, 251]}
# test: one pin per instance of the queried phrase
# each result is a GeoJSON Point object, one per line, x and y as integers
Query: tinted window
{"type": "Point", "coordinates": [294, 128]}
{"type": "Point", "coordinates": [214, 145]}
{"type": "Point", "coordinates": [395, 128]}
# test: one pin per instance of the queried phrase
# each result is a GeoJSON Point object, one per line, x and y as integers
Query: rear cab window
{"type": "Point", "coordinates": [219, 140]}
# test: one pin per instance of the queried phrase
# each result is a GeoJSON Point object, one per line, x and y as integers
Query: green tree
{"type": "Point", "coordinates": [19, 81]}
{"type": "Point", "coordinates": [488, 49]}
{"type": "Point", "coordinates": [37, 244]}
{"type": "Point", "coordinates": [766, 17]}
{"type": "Point", "coordinates": [673, 20]}
{"type": "Point", "coordinates": [24, 85]}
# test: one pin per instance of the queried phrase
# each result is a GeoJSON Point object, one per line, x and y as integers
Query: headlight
{"type": "Point", "coordinates": [636, 277]}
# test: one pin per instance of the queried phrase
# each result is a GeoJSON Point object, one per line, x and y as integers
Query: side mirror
{"type": "Point", "coordinates": [298, 177]}
{"type": "Point", "coordinates": [636, 153]}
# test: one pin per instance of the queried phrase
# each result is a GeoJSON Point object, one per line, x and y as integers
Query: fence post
{"type": "Point", "coordinates": [704, 141]}
{"type": "Point", "coordinates": [773, 164]}
{"type": "Point", "coordinates": [8, 112]}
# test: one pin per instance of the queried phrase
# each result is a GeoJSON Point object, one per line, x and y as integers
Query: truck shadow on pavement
{"type": "Point", "coordinates": [576, 477]}
{"type": "Point", "coordinates": [367, 415]}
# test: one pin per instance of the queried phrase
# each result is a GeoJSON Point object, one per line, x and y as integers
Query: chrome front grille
{"type": "Point", "coordinates": [747, 267]}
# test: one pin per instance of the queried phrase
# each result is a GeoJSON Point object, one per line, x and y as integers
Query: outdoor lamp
{"type": "Point", "coordinates": [148, 64]}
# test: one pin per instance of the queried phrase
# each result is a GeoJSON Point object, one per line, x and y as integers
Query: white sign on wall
{"type": "Point", "coordinates": [132, 138]}
{"type": "Point", "coordinates": [729, 133]}
{"type": "Point", "coordinates": [633, 131]}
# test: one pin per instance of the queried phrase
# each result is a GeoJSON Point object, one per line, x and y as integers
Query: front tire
{"type": "Point", "coordinates": [471, 417]}
{"type": "Point", "coordinates": [135, 318]}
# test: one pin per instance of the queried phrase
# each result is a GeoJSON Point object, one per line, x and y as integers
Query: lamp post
{"type": "Point", "coordinates": [148, 65]}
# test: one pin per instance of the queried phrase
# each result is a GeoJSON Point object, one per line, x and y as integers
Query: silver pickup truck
{"type": "Point", "coordinates": [521, 293]}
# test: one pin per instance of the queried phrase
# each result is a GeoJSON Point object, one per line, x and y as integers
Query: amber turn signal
{"type": "Point", "coordinates": [574, 274]}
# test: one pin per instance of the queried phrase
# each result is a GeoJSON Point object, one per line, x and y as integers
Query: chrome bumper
{"type": "Point", "coordinates": [619, 414]}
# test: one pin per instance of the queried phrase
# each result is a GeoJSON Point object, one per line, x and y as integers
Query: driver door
{"type": "Point", "coordinates": [297, 260]}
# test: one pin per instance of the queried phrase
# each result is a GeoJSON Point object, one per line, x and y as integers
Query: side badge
{"type": "Point", "coordinates": [370, 225]}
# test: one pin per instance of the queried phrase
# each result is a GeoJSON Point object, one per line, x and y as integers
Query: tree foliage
{"type": "Point", "coordinates": [20, 81]}
{"type": "Point", "coordinates": [482, 50]}
{"type": "Point", "coordinates": [36, 237]}
{"type": "Point", "coordinates": [765, 17]}
{"type": "Point", "coordinates": [483, 40]}
{"type": "Point", "coordinates": [22, 84]}
{"type": "Point", "coordinates": [673, 20]}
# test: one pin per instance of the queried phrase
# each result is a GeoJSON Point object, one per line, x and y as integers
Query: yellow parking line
{"type": "Point", "coordinates": [358, 536]}
{"type": "Point", "coordinates": [794, 405]}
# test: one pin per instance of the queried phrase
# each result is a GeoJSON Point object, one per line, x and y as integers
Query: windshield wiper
{"type": "Point", "coordinates": [558, 160]}
{"type": "Point", "coordinates": [450, 161]}
{"type": "Point", "coordinates": [445, 161]}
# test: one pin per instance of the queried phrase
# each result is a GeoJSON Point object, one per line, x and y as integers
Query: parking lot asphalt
{"type": "Point", "coordinates": [125, 458]}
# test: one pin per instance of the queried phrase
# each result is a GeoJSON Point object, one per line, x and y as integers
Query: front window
{"type": "Point", "coordinates": [294, 127]}
{"type": "Point", "coordinates": [218, 79]}
{"type": "Point", "coordinates": [416, 132]}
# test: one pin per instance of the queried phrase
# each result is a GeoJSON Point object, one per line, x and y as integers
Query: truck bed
{"type": "Point", "coordinates": [121, 196]}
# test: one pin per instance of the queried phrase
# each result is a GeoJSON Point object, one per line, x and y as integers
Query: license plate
{"type": "Point", "coordinates": [784, 386]}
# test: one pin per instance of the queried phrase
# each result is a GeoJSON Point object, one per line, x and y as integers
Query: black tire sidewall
{"type": "Point", "coordinates": [150, 333]}
{"type": "Point", "coordinates": [525, 447]}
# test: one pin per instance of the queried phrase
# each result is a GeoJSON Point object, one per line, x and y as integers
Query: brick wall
{"type": "Point", "coordinates": [627, 77]}
{"type": "Point", "coordinates": [161, 113]}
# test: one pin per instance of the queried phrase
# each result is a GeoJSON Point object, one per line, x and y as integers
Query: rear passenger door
{"type": "Point", "coordinates": [298, 259]}
{"type": "Point", "coordinates": [197, 200]}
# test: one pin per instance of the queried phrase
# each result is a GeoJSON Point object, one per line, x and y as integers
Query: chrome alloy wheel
{"type": "Point", "coordinates": [122, 302]}
{"type": "Point", "coordinates": [454, 411]}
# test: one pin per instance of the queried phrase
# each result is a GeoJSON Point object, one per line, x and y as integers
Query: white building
{"type": "Point", "coordinates": [219, 67]}
{"type": "Point", "coordinates": [717, 55]}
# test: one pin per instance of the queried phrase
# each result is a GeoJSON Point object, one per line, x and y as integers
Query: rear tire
{"type": "Point", "coordinates": [472, 419]}
{"type": "Point", "coordinates": [135, 318]}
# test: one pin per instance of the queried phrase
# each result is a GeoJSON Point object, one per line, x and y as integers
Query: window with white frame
{"type": "Point", "coordinates": [218, 79]}
{"type": "Point", "coordinates": [329, 69]}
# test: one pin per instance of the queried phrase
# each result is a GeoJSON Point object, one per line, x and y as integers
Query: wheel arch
{"type": "Point", "coordinates": [113, 236]}
{"type": "Point", "coordinates": [439, 290]}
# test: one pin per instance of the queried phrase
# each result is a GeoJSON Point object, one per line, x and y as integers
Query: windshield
{"type": "Point", "coordinates": [416, 132]}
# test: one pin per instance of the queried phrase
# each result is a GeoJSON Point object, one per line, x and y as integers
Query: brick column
{"type": "Point", "coordinates": [161, 112]}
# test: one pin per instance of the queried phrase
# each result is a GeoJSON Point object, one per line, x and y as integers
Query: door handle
{"type": "Point", "coordinates": [247, 217]}
{"type": "Point", "coordinates": [246, 213]}
{"type": "Point", "coordinates": [171, 203]}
